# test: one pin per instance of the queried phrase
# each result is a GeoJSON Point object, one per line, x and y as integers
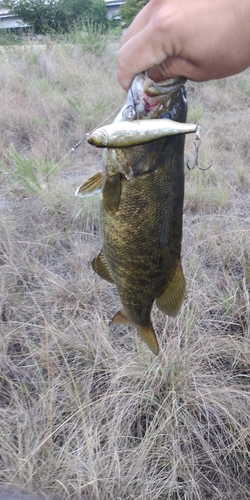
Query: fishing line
{"type": "Point", "coordinates": [79, 143]}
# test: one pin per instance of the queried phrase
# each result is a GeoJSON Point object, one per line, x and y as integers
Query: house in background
{"type": "Point", "coordinates": [113, 8]}
{"type": "Point", "coordinates": [10, 21]}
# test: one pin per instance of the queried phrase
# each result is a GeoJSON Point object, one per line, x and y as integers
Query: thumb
{"type": "Point", "coordinates": [174, 67]}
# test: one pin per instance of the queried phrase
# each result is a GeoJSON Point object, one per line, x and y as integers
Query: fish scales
{"type": "Point", "coordinates": [142, 241]}
{"type": "Point", "coordinates": [141, 213]}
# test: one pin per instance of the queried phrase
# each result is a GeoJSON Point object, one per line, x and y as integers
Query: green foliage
{"type": "Point", "coordinates": [9, 37]}
{"type": "Point", "coordinates": [46, 16]}
{"type": "Point", "coordinates": [129, 10]}
{"type": "Point", "coordinates": [90, 36]}
{"type": "Point", "coordinates": [32, 176]}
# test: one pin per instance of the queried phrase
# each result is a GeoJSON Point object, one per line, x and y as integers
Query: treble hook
{"type": "Point", "coordinates": [197, 143]}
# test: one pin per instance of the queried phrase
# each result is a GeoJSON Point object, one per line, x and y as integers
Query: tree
{"type": "Point", "coordinates": [58, 15]}
{"type": "Point", "coordinates": [93, 11]}
{"type": "Point", "coordinates": [129, 10]}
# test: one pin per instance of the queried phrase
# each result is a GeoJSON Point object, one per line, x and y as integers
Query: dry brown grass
{"type": "Point", "coordinates": [90, 413]}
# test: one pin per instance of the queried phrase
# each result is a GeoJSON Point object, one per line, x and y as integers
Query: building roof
{"type": "Point", "coordinates": [113, 7]}
{"type": "Point", "coordinates": [115, 3]}
{"type": "Point", "coordinates": [10, 21]}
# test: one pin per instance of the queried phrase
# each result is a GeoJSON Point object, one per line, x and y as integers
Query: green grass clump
{"type": "Point", "coordinates": [27, 175]}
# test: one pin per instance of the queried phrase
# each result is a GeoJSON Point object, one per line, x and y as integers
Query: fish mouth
{"type": "Point", "coordinates": [142, 84]}
{"type": "Point", "coordinates": [148, 97]}
{"type": "Point", "coordinates": [154, 89]}
{"type": "Point", "coordinates": [145, 95]}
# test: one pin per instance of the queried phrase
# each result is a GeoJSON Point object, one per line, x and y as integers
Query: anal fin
{"type": "Point", "coordinates": [146, 332]}
{"type": "Point", "coordinates": [90, 186]}
{"type": "Point", "coordinates": [171, 299]}
{"type": "Point", "coordinates": [101, 267]}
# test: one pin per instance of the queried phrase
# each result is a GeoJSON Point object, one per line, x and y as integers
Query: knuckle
{"type": "Point", "coordinates": [162, 23]}
{"type": "Point", "coordinates": [159, 23]}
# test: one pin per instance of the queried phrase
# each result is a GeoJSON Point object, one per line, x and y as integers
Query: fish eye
{"type": "Point", "coordinates": [93, 140]}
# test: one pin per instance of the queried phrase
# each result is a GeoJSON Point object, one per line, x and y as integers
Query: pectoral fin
{"type": "Point", "coordinates": [90, 186]}
{"type": "Point", "coordinates": [171, 299]}
{"type": "Point", "coordinates": [146, 332]}
{"type": "Point", "coordinates": [101, 267]}
{"type": "Point", "coordinates": [111, 193]}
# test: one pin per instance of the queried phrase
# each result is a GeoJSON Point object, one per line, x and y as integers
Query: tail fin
{"type": "Point", "coordinates": [146, 332]}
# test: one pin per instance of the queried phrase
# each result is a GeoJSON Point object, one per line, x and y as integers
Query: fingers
{"type": "Point", "coordinates": [177, 66]}
{"type": "Point", "coordinates": [129, 67]}
{"type": "Point", "coordinates": [145, 55]}
{"type": "Point", "coordinates": [169, 68]}
{"type": "Point", "coordinates": [198, 40]}
{"type": "Point", "coordinates": [174, 67]}
{"type": "Point", "coordinates": [140, 40]}
{"type": "Point", "coordinates": [139, 23]}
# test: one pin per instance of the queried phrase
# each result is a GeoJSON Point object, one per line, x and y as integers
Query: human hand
{"type": "Point", "coordinates": [200, 40]}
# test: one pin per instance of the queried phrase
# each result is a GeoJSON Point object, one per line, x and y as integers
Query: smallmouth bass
{"type": "Point", "coordinates": [141, 210]}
